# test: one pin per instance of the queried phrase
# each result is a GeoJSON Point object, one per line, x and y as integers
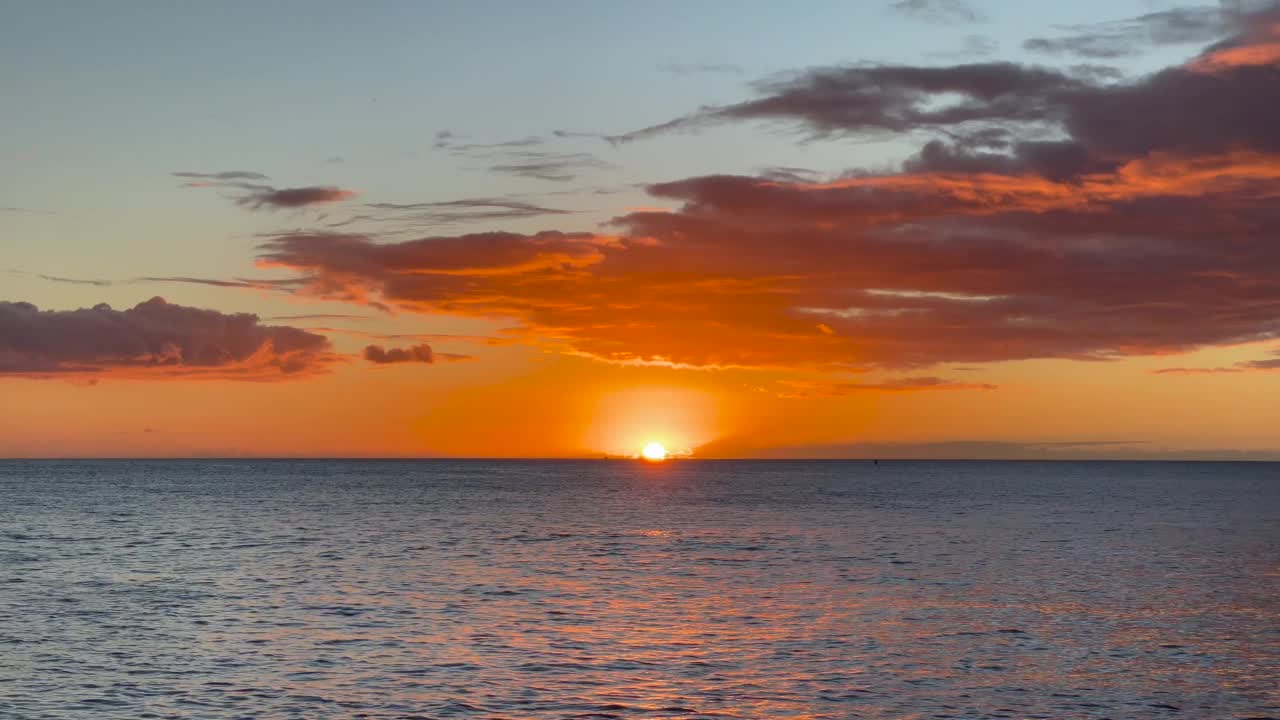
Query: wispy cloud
{"type": "Point", "coordinates": [256, 195]}
{"type": "Point", "coordinates": [1263, 365]}
{"type": "Point", "coordinates": [272, 198]}
{"type": "Point", "coordinates": [513, 157]}
{"type": "Point", "coordinates": [60, 279]}
{"type": "Point", "coordinates": [975, 46]}
{"type": "Point", "coordinates": [809, 389]}
{"type": "Point", "coordinates": [702, 68]}
{"type": "Point", "coordinates": [227, 176]}
{"type": "Point", "coordinates": [1131, 36]}
{"type": "Point", "coordinates": [466, 210]}
{"type": "Point", "coordinates": [557, 167]}
{"type": "Point", "coordinates": [938, 11]}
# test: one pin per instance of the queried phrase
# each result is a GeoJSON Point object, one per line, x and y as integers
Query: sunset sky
{"type": "Point", "coordinates": [922, 228]}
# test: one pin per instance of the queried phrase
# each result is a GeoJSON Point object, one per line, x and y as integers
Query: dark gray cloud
{"type": "Point", "coordinates": [1056, 123]}
{"type": "Point", "coordinates": [281, 284]}
{"type": "Point", "coordinates": [258, 195]}
{"type": "Point", "coordinates": [60, 279]}
{"type": "Point", "coordinates": [513, 157]}
{"type": "Point", "coordinates": [1131, 36]}
{"type": "Point", "coordinates": [414, 353]}
{"type": "Point", "coordinates": [443, 138]}
{"type": "Point", "coordinates": [225, 176]}
{"type": "Point", "coordinates": [272, 198]}
{"type": "Point", "coordinates": [891, 99]}
{"type": "Point", "coordinates": [490, 148]}
{"type": "Point", "coordinates": [387, 218]}
{"type": "Point", "coordinates": [465, 210]}
{"type": "Point", "coordinates": [263, 284]}
{"type": "Point", "coordinates": [938, 11]}
{"type": "Point", "coordinates": [154, 339]}
{"type": "Point", "coordinates": [557, 167]}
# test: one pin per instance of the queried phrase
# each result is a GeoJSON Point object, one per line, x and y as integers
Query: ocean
{"type": "Point", "coordinates": [619, 589]}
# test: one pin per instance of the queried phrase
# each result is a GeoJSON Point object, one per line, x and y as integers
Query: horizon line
{"type": "Point", "coordinates": [642, 461]}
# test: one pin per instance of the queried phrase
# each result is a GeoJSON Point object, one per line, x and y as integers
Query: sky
{"type": "Point", "coordinates": [898, 228]}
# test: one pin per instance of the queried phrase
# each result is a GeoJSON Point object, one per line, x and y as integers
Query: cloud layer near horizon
{"type": "Point", "coordinates": [155, 339]}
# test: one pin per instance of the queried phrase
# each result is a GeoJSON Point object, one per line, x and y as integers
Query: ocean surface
{"type": "Point", "coordinates": [617, 589]}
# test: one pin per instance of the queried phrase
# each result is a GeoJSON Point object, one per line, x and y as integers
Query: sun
{"type": "Point", "coordinates": [654, 452]}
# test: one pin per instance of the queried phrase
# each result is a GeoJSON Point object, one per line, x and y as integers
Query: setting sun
{"type": "Point", "coordinates": [654, 451]}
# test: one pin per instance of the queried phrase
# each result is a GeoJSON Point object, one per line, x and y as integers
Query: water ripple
{"type": "Point", "coordinates": [407, 590]}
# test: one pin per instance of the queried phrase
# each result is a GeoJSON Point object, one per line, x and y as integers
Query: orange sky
{"type": "Point", "coordinates": [1027, 254]}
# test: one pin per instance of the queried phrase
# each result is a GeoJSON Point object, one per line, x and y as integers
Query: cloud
{"type": "Point", "coordinates": [258, 195]}
{"type": "Point", "coordinates": [1265, 365]}
{"type": "Point", "coordinates": [683, 68]}
{"type": "Point", "coordinates": [451, 212]}
{"type": "Point", "coordinates": [1255, 44]}
{"type": "Point", "coordinates": [1045, 214]}
{"type": "Point", "coordinates": [319, 316]}
{"type": "Point", "coordinates": [487, 148]}
{"type": "Point", "coordinates": [513, 157]}
{"type": "Point", "coordinates": [896, 270]}
{"type": "Point", "coordinates": [294, 197]}
{"type": "Point", "coordinates": [280, 284]}
{"type": "Point", "coordinates": [226, 176]}
{"type": "Point", "coordinates": [264, 284]}
{"type": "Point", "coordinates": [154, 340]}
{"type": "Point", "coordinates": [420, 337]}
{"type": "Point", "coordinates": [60, 279]}
{"type": "Point", "coordinates": [938, 11]}
{"type": "Point", "coordinates": [1121, 38]}
{"type": "Point", "coordinates": [889, 99]}
{"type": "Point", "coordinates": [1056, 123]}
{"type": "Point", "coordinates": [975, 46]}
{"type": "Point", "coordinates": [808, 389]}
{"type": "Point", "coordinates": [412, 354]}
{"type": "Point", "coordinates": [557, 167]}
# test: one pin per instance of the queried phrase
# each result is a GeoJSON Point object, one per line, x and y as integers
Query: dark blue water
{"type": "Point", "coordinates": [688, 589]}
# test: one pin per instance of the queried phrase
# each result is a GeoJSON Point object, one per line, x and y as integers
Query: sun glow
{"type": "Point", "coordinates": [654, 452]}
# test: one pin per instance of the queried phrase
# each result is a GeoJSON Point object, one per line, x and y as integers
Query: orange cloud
{"type": "Point", "coordinates": [891, 270]}
{"type": "Point", "coordinates": [1059, 215]}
